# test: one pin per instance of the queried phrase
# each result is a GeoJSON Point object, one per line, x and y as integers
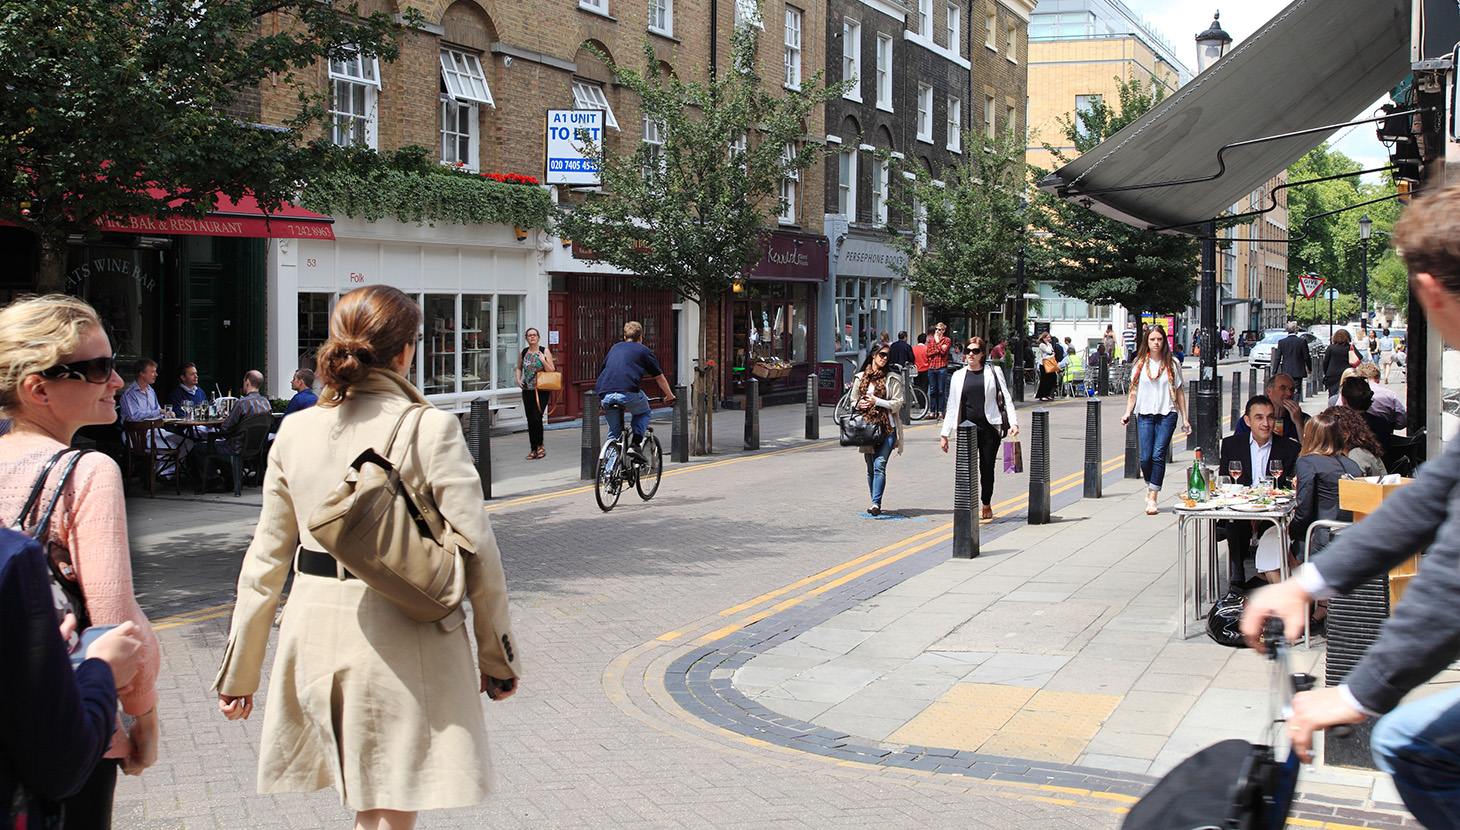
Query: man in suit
{"type": "Point", "coordinates": [1293, 357]}
{"type": "Point", "coordinates": [1255, 448]}
{"type": "Point", "coordinates": [902, 353]}
{"type": "Point", "coordinates": [1288, 419]}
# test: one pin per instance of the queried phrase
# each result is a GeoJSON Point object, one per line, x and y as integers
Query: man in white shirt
{"type": "Point", "coordinates": [139, 403]}
{"type": "Point", "coordinates": [1255, 449]}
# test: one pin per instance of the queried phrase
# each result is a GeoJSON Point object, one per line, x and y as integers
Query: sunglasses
{"type": "Point", "coordinates": [883, 355]}
{"type": "Point", "coordinates": [95, 370]}
{"type": "Point", "coordinates": [974, 350]}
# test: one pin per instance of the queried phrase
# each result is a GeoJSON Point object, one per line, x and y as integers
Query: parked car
{"type": "Point", "coordinates": [1262, 353]}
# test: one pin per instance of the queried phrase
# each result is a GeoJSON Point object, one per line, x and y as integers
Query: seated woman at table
{"type": "Point", "coordinates": [1318, 470]}
{"type": "Point", "coordinates": [1359, 442]}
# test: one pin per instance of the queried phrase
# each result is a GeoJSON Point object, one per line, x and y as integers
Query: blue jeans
{"type": "Point", "coordinates": [877, 467]}
{"type": "Point", "coordinates": [1419, 744]}
{"type": "Point", "coordinates": [635, 403]}
{"type": "Point", "coordinates": [1154, 433]}
{"type": "Point", "coordinates": [937, 391]}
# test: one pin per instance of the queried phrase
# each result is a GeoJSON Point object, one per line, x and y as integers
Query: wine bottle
{"type": "Point", "coordinates": [1196, 485]}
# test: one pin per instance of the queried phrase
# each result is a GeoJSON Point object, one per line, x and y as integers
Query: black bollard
{"type": "Point", "coordinates": [1093, 482]}
{"type": "Point", "coordinates": [1102, 384]}
{"type": "Point", "coordinates": [679, 427]}
{"type": "Point", "coordinates": [1236, 398]}
{"type": "Point", "coordinates": [1252, 379]}
{"type": "Point", "coordinates": [813, 408]}
{"type": "Point", "coordinates": [479, 441]}
{"type": "Point", "coordinates": [907, 395]}
{"type": "Point", "coordinates": [752, 414]}
{"type": "Point", "coordinates": [588, 469]}
{"type": "Point", "coordinates": [1039, 467]}
{"type": "Point", "coordinates": [965, 494]}
{"type": "Point", "coordinates": [1132, 448]}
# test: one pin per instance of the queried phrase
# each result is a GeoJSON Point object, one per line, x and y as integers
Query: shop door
{"type": "Point", "coordinates": [224, 309]}
{"type": "Point", "coordinates": [569, 401]}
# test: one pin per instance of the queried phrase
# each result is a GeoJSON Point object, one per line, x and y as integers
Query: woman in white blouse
{"type": "Point", "coordinates": [1156, 396]}
{"type": "Point", "coordinates": [978, 393]}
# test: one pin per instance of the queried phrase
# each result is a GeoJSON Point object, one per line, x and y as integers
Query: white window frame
{"type": "Point", "coordinates": [852, 58]}
{"type": "Point", "coordinates": [739, 144]}
{"type": "Point", "coordinates": [925, 18]}
{"type": "Point", "coordinates": [846, 183]}
{"type": "Point", "coordinates": [790, 183]}
{"type": "Point", "coordinates": [879, 191]}
{"type": "Point", "coordinates": [989, 128]}
{"type": "Point", "coordinates": [748, 13]}
{"type": "Point", "coordinates": [884, 72]}
{"type": "Point", "coordinates": [920, 223]}
{"type": "Point", "coordinates": [600, 6]}
{"type": "Point", "coordinates": [455, 112]}
{"type": "Point", "coordinates": [362, 74]}
{"type": "Point", "coordinates": [952, 24]}
{"type": "Point", "coordinates": [1011, 43]}
{"type": "Point", "coordinates": [654, 143]}
{"type": "Point", "coordinates": [1009, 117]}
{"type": "Point", "coordinates": [955, 124]}
{"type": "Point", "coordinates": [925, 113]}
{"type": "Point", "coordinates": [1083, 104]}
{"type": "Point", "coordinates": [589, 95]}
{"type": "Point", "coordinates": [465, 81]}
{"type": "Point", "coordinates": [795, 22]}
{"type": "Point", "coordinates": [990, 31]}
{"type": "Point", "coordinates": [661, 17]}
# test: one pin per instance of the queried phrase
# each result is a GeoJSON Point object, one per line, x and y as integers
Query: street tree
{"type": "Point", "coordinates": [692, 214]}
{"type": "Point", "coordinates": [966, 232]}
{"type": "Point", "coordinates": [1090, 257]}
{"type": "Point", "coordinates": [111, 104]}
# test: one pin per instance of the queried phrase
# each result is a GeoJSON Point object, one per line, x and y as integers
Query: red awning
{"type": "Point", "coordinates": [243, 217]}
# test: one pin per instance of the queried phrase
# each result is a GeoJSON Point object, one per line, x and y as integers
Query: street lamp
{"type": "Point", "coordinates": [1366, 229]}
{"type": "Point", "coordinates": [1211, 45]}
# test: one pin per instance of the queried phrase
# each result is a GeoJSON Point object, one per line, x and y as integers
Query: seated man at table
{"type": "Point", "coordinates": [187, 393]}
{"type": "Point", "coordinates": [229, 440]}
{"type": "Point", "coordinates": [1288, 417]}
{"type": "Point", "coordinates": [139, 403]}
{"type": "Point", "coordinates": [1356, 394]}
{"type": "Point", "coordinates": [304, 397]}
{"type": "Point", "coordinates": [1255, 448]}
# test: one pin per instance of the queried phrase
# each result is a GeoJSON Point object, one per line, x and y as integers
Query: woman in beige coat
{"type": "Point", "coordinates": [361, 697]}
{"type": "Point", "coordinates": [880, 397]}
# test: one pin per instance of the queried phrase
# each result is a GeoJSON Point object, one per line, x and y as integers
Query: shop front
{"type": "Point", "coordinates": [480, 288]}
{"type": "Point", "coordinates": [770, 330]}
{"type": "Point", "coordinates": [871, 299]}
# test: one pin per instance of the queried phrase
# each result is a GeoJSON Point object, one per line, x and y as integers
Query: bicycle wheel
{"type": "Point", "coordinates": [651, 470]}
{"type": "Point", "coordinates": [843, 407]}
{"type": "Point", "coordinates": [609, 483]}
{"type": "Point", "coordinates": [919, 404]}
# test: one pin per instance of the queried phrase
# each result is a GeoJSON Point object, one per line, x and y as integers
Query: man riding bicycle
{"type": "Point", "coordinates": [623, 370]}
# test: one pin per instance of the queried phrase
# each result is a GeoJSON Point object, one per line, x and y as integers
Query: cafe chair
{"type": "Point", "coordinates": [1332, 527]}
{"type": "Point", "coordinates": [144, 443]}
{"type": "Point", "coordinates": [1402, 455]}
{"type": "Point", "coordinates": [253, 431]}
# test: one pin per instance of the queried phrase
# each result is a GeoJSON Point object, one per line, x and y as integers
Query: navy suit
{"type": "Point", "coordinates": [1240, 533]}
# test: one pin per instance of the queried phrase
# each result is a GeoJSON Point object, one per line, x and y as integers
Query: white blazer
{"type": "Point", "coordinates": [992, 375]}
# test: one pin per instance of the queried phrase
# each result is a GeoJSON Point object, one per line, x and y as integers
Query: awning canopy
{"type": "Point", "coordinates": [1317, 62]}
{"type": "Point", "coordinates": [243, 217]}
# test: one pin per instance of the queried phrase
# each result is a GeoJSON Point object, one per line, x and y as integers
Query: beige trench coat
{"type": "Point", "coordinates": [362, 698]}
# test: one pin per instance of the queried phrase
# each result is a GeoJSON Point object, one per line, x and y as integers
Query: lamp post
{"type": "Point", "coordinates": [1211, 45]}
{"type": "Point", "coordinates": [1366, 229]}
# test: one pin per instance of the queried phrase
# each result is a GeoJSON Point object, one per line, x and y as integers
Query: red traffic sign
{"type": "Point", "coordinates": [1309, 285]}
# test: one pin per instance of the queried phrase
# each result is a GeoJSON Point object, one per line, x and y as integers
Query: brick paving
{"type": "Point", "coordinates": [625, 716]}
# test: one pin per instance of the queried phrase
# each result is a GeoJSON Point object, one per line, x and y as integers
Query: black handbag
{"type": "Point", "coordinates": [860, 431]}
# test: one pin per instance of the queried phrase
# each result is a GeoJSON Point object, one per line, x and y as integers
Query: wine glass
{"type": "Point", "coordinates": [1234, 467]}
{"type": "Point", "coordinates": [1275, 466]}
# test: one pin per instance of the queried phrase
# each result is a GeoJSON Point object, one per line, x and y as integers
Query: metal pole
{"type": "Point", "coordinates": [1132, 448]}
{"type": "Point", "coordinates": [480, 442]}
{"type": "Point", "coordinates": [1236, 398]}
{"type": "Point", "coordinates": [587, 469]}
{"type": "Point", "coordinates": [679, 429]}
{"type": "Point", "coordinates": [1208, 390]}
{"type": "Point", "coordinates": [965, 494]}
{"type": "Point", "coordinates": [813, 408]}
{"type": "Point", "coordinates": [1039, 467]}
{"type": "Point", "coordinates": [752, 414]}
{"type": "Point", "coordinates": [907, 395]}
{"type": "Point", "coordinates": [1020, 306]}
{"type": "Point", "coordinates": [1364, 292]}
{"type": "Point", "coordinates": [1093, 455]}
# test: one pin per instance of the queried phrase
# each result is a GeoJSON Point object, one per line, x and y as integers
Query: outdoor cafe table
{"type": "Point", "coordinates": [199, 429]}
{"type": "Point", "coordinates": [1197, 565]}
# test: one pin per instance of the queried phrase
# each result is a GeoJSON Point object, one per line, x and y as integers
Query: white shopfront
{"type": "Point", "coordinates": [480, 288]}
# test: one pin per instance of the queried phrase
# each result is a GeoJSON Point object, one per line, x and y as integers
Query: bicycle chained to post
{"type": "Point", "coordinates": [628, 459]}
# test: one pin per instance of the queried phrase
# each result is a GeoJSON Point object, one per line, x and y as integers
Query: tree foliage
{"type": "Point", "coordinates": [1090, 257]}
{"type": "Point", "coordinates": [692, 214]}
{"type": "Point", "coordinates": [108, 102]}
{"type": "Point", "coordinates": [974, 227]}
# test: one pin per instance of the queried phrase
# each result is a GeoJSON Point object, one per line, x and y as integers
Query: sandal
{"type": "Point", "coordinates": [541, 452]}
{"type": "Point", "coordinates": [1151, 508]}
{"type": "Point", "coordinates": [988, 512]}
{"type": "Point", "coordinates": [875, 509]}
{"type": "Point", "coordinates": [531, 454]}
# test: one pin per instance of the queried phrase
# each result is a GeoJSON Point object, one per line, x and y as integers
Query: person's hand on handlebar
{"type": "Point", "coordinates": [1287, 601]}
{"type": "Point", "coordinates": [1315, 710]}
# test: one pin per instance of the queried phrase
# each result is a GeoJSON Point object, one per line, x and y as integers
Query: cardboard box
{"type": "Point", "coordinates": [1363, 496]}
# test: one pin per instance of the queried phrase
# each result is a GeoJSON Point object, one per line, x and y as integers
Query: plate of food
{"type": "Point", "coordinates": [1252, 507]}
{"type": "Point", "coordinates": [1201, 505]}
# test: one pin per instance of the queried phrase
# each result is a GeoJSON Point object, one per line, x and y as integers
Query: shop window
{"type": "Point", "coordinates": [355, 84]}
{"type": "Point", "coordinates": [772, 320]}
{"type": "Point", "coordinates": [863, 311]}
{"type": "Point", "coordinates": [314, 326]}
{"type": "Point", "coordinates": [510, 339]}
{"type": "Point", "coordinates": [439, 350]}
{"type": "Point", "coordinates": [474, 350]}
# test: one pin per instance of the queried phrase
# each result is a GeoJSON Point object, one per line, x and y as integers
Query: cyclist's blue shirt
{"type": "Point", "coordinates": [625, 367]}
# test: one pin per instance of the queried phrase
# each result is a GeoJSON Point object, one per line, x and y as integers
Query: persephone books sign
{"type": "Point", "coordinates": [567, 133]}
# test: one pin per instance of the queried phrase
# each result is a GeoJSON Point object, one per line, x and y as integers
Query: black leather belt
{"type": "Point", "coordinates": [318, 563]}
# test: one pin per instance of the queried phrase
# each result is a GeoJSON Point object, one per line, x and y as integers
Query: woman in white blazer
{"type": "Point", "coordinates": [988, 407]}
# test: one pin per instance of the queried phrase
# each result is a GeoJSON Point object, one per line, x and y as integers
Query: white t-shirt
{"type": "Point", "coordinates": [1153, 397]}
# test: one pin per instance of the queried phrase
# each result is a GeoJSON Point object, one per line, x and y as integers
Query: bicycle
{"type": "Point", "coordinates": [617, 470]}
{"type": "Point", "coordinates": [918, 403]}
